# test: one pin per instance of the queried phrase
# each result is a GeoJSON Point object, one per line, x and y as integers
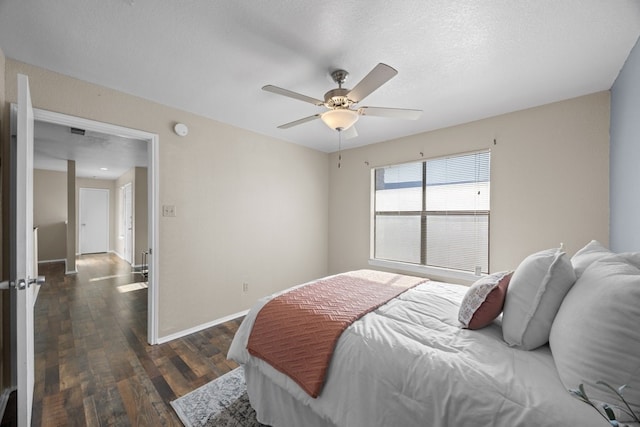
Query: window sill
{"type": "Point", "coordinates": [435, 273]}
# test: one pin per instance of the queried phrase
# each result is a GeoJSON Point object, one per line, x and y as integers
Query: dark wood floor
{"type": "Point", "coordinates": [93, 364]}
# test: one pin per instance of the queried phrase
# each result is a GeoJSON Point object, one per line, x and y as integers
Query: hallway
{"type": "Point", "coordinates": [93, 364]}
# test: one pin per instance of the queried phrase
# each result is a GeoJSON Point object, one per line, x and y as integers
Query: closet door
{"type": "Point", "coordinates": [94, 220]}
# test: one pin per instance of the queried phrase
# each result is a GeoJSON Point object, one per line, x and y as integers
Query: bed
{"type": "Point", "coordinates": [409, 362]}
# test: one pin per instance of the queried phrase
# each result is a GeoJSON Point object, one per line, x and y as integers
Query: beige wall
{"type": "Point", "coordinates": [2, 89]}
{"type": "Point", "coordinates": [249, 208]}
{"type": "Point", "coordinates": [50, 213]}
{"type": "Point", "coordinates": [140, 199]}
{"type": "Point", "coordinates": [549, 180]}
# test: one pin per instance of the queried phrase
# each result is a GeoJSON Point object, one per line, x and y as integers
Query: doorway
{"type": "Point", "coordinates": [152, 141]}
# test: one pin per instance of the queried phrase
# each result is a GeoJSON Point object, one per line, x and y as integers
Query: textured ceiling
{"type": "Point", "coordinates": [458, 60]}
{"type": "Point", "coordinates": [97, 155]}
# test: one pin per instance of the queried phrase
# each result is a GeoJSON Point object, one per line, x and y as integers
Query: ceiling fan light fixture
{"type": "Point", "coordinates": [340, 115]}
{"type": "Point", "coordinates": [340, 119]}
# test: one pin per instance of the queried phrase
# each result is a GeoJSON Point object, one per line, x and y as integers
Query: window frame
{"type": "Point", "coordinates": [422, 267]}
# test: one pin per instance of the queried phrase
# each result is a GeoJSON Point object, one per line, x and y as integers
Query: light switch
{"type": "Point", "coordinates": [168, 210]}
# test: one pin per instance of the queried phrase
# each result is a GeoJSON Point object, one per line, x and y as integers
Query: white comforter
{"type": "Point", "coordinates": [410, 364]}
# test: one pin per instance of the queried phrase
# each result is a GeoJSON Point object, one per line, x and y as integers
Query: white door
{"type": "Point", "coordinates": [22, 247]}
{"type": "Point", "coordinates": [94, 220]}
{"type": "Point", "coordinates": [128, 223]}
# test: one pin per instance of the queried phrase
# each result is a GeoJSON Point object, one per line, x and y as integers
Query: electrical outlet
{"type": "Point", "coordinates": [168, 210]}
{"type": "Point", "coordinates": [245, 287]}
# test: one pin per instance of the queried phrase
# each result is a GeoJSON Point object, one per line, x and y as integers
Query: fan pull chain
{"type": "Point", "coordinates": [339, 148]}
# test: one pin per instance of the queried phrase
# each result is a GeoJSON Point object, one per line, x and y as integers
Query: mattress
{"type": "Point", "coordinates": [409, 363]}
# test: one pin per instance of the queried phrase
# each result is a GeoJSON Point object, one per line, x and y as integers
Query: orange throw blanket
{"type": "Point", "coordinates": [297, 332]}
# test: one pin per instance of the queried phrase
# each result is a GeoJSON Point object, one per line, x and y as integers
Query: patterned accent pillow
{"type": "Point", "coordinates": [484, 300]}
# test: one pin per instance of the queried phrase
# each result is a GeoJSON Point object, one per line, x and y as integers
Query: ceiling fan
{"type": "Point", "coordinates": [340, 102]}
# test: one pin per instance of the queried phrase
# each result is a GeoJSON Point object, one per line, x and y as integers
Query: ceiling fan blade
{"type": "Point", "coordinates": [291, 94]}
{"type": "Point", "coordinates": [380, 74]}
{"type": "Point", "coordinates": [394, 113]}
{"type": "Point", "coordinates": [298, 122]}
{"type": "Point", "coordinates": [350, 132]}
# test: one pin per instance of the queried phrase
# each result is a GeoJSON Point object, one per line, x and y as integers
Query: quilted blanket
{"type": "Point", "coordinates": [297, 332]}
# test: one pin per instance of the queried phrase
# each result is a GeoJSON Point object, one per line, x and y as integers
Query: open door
{"type": "Point", "coordinates": [23, 282]}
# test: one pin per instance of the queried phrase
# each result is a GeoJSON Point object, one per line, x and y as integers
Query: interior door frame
{"type": "Point", "coordinates": [153, 141]}
{"type": "Point", "coordinates": [126, 201]}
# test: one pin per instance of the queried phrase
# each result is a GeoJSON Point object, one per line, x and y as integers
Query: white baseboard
{"type": "Point", "coordinates": [162, 340]}
{"type": "Point", "coordinates": [115, 252]}
{"type": "Point", "coordinates": [119, 255]}
{"type": "Point", "coordinates": [108, 251]}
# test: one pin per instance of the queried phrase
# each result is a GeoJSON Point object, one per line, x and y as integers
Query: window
{"type": "Point", "coordinates": [434, 213]}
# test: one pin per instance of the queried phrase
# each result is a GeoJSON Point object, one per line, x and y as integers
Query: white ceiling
{"type": "Point", "coordinates": [458, 60]}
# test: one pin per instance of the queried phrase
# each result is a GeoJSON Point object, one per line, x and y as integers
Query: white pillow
{"type": "Point", "coordinates": [596, 334]}
{"type": "Point", "coordinates": [534, 295]}
{"type": "Point", "coordinates": [593, 251]}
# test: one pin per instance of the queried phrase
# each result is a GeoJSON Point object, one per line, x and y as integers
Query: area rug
{"type": "Point", "coordinates": [221, 403]}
